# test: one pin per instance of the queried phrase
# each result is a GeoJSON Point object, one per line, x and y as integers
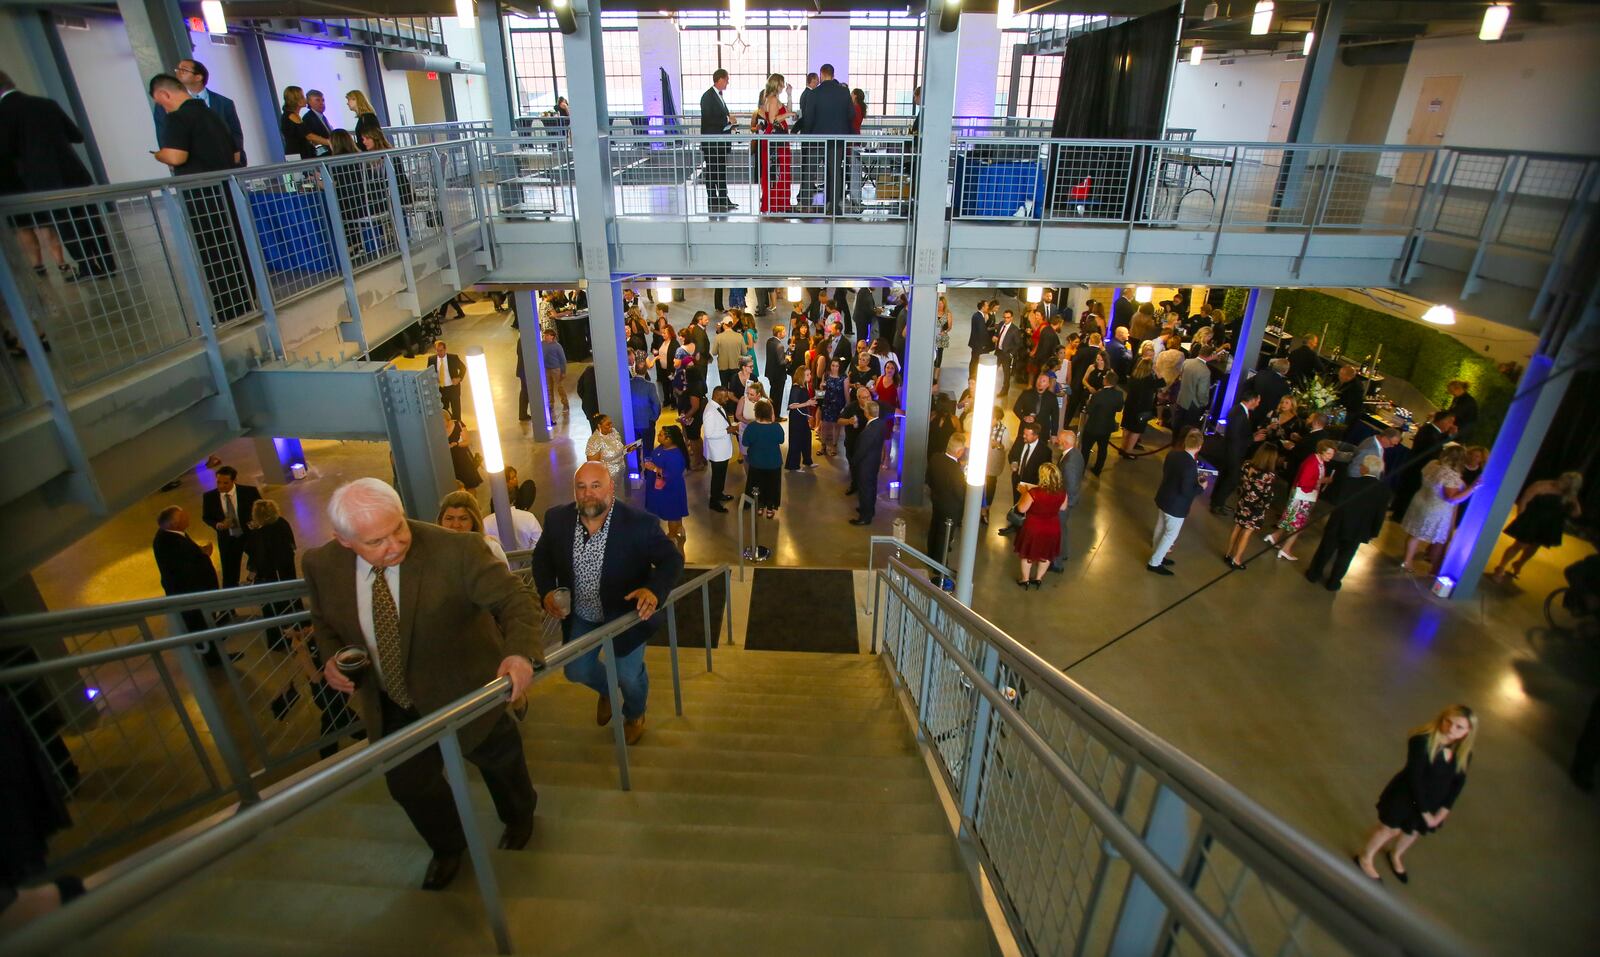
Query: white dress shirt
{"type": "Point", "coordinates": [523, 525]}
{"type": "Point", "coordinates": [230, 503]}
{"type": "Point", "coordinates": [364, 572]}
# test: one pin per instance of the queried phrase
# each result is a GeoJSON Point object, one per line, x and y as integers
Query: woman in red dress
{"type": "Point", "coordinates": [771, 121]}
{"type": "Point", "coordinates": [1039, 541]}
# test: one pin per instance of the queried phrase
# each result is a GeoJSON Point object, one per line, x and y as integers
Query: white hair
{"type": "Point", "coordinates": [353, 501]}
{"type": "Point", "coordinates": [1371, 465]}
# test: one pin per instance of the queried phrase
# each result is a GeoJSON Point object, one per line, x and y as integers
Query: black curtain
{"type": "Point", "coordinates": [1113, 87]}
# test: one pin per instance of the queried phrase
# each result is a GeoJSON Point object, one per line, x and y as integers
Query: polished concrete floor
{"type": "Point", "coordinates": [1299, 697]}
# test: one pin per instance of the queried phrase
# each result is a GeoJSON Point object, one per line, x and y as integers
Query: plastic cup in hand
{"type": "Point", "coordinates": [353, 663]}
{"type": "Point", "coordinates": [563, 601]}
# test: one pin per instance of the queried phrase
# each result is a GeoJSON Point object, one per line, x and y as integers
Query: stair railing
{"type": "Point", "coordinates": [1096, 835]}
{"type": "Point", "coordinates": [882, 548]}
{"type": "Point", "coordinates": [177, 859]}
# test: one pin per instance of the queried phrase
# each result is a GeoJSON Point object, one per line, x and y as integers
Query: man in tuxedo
{"type": "Point", "coordinates": [1425, 446]}
{"type": "Point", "coordinates": [613, 559]}
{"type": "Point", "coordinates": [1038, 407]}
{"type": "Point", "coordinates": [226, 509]}
{"type": "Point", "coordinates": [716, 121]}
{"type": "Point", "coordinates": [185, 567]}
{"type": "Point", "coordinates": [1272, 384]}
{"type": "Point", "coordinates": [979, 339]}
{"type": "Point", "coordinates": [1122, 310]}
{"type": "Point", "coordinates": [1011, 345]}
{"type": "Point", "coordinates": [36, 155]}
{"type": "Point", "coordinates": [865, 462]}
{"type": "Point", "coordinates": [194, 76]}
{"type": "Point", "coordinates": [947, 487]}
{"type": "Point", "coordinates": [1047, 305]}
{"type": "Point", "coordinates": [1100, 418]}
{"type": "Point", "coordinates": [315, 122]}
{"type": "Point", "coordinates": [448, 368]}
{"type": "Point", "coordinates": [1357, 520]}
{"type": "Point", "coordinates": [1070, 461]}
{"type": "Point", "coordinates": [1046, 348]}
{"type": "Point", "coordinates": [777, 365]}
{"type": "Point", "coordinates": [838, 346]}
{"type": "Point", "coordinates": [1027, 453]}
{"type": "Point", "coordinates": [1180, 483]}
{"type": "Point", "coordinates": [439, 616]}
{"type": "Point", "coordinates": [832, 113]}
{"type": "Point", "coordinates": [864, 313]}
{"type": "Point", "coordinates": [1237, 439]}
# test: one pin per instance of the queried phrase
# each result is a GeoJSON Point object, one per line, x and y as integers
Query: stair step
{"type": "Point", "coordinates": [693, 723]}
{"type": "Point", "coordinates": [736, 707]}
{"type": "Point", "coordinates": [278, 918]}
{"type": "Point", "coordinates": [649, 840]}
{"type": "Point", "coordinates": [673, 735]}
{"type": "Point", "coordinates": [610, 803]}
{"type": "Point", "coordinates": [821, 788]}
{"type": "Point", "coordinates": [602, 752]}
{"type": "Point", "coordinates": [799, 688]}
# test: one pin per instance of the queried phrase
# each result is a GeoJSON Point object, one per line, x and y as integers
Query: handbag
{"type": "Point", "coordinates": [1014, 519]}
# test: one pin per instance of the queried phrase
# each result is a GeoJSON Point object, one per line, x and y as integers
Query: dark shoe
{"type": "Point", "coordinates": [442, 869]}
{"type": "Point", "coordinates": [1311, 576]}
{"type": "Point", "coordinates": [1356, 860]}
{"type": "Point", "coordinates": [285, 700]}
{"type": "Point", "coordinates": [727, 498]}
{"type": "Point", "coordinates": [516, 835]}
{"type": "Point", "coordinates": [602, 711]}
{"type": "Point", "coordinates": [1168, 561]}
{"type": "Point", "coordinates": [1036, 583]}
{"type": "Point", "coordinates": [850, 491]}
{"type": "Point", "coordinates": [524, 418]}
{"type": "Point", "coordinates": [1022, 583]}
{"type": "Point", "coordinates": [719, 508]}
{"type": "Point", "coordinates": [1335, 586]}
{"type": "Point", "coordinates": [1157, 570]}
{"type": "Point", "coordinates": [861, 521]}
{"type": "Point", "coordinates": [69, 888]}
{"type": "Point", "coordinates": [633, 730]}
{"type": "Point", "coordinates": [1400, 875]}
{"type": "Point", "coordinates": [1058, 568]}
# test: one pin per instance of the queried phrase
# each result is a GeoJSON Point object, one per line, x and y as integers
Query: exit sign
{"type": "Point", "coordinates": [197, 24]}
{"type": "Point", "coordinates": [433, 74]}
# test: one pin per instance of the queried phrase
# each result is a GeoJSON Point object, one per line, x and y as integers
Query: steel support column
{"type": "Point", "coordinates": [415, 418]}
{"type": "Point", "coordinates": [927, 252]}
{"type": "Point", "coordinates": [158, 34]}
{"type": "Point", "coordinates": [496, 62]}
{"type": "Point", "coordinates": [1317, 74]}
{"type": "Point", "coordinates": [591, 156]}
{"type": "Point", "coordinates": [525, 302]}
{"type": "Point", "coordinates": [1257, 309]}
{"type": "Point", "coordinates": [254, 48]}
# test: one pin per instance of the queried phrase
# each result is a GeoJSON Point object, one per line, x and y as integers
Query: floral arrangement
{"type": "Point", "coordinates": [1318, 395]}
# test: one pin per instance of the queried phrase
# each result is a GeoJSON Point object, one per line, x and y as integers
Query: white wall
{"type": "Point", "coordinates": [315, 67]}
{"type": "Point", "coordinates": [471, 91]}
{"type": "Point", "coordinates": [977, 64]}
{"type": "Point", "coordinates": [114, 98]}
{"type": "Point", "coordinates": [230, 76]}
{"type": "Point", "coordinates": [1538, 93]}
{"type": "Point", "coordinates": [828, 41]}
{"type": "Point", "coordinates": [397, 91]}
{"type": "Point", "coordinates": [658, 48]}
{"type": "Point", "coordinates": [1231, 102]}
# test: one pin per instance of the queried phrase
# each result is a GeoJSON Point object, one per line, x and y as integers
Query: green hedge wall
{"type": "Point", "coordinates": [1411, 351]}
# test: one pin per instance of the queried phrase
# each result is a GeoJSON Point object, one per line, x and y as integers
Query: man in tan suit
{"type": "Point", "coordinates": [440, 617]}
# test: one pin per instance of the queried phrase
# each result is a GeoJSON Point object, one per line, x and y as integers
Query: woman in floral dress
{"type": "Point", "coordinates": [1255, 499]}
{"type": "Point", "coordinates": [831, 405]}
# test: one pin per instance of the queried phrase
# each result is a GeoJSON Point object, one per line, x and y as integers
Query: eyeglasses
{"type": "Point", "coordinates": [183, 69]}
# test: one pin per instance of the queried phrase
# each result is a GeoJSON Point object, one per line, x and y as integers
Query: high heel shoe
{"type": "Point", "coordinates": [1022, 583]}
{"type": "Point", "coordinates": [1037, 583]}
{"type": "Point", "coordinates": [1269, 539]}
{"type": "Point", "coordinates": [1286, 556]}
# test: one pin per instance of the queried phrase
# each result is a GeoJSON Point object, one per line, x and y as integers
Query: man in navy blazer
{"type": "Point", "coordinates": [1180, 483]}
{"type": "Point", "coordinates": [194, 76]}
{"type": "Point", "coordinates": [831, 112]}
{"type": "Point", "coordinates": [612, 559]}
{"type": "Point", "coordinates": [865, 462]}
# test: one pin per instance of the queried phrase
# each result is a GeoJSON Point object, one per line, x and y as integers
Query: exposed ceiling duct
{"type": "Point", "coordinates": [428, 63]}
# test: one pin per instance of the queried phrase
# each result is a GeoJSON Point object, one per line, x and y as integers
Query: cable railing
{"type": "Point", "coordinates": [1097, 836]}
{"type": "Point", "coordinates": [158, 873]}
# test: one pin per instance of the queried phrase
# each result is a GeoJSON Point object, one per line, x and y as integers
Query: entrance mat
{"type": "Point", "coordinates": [691, 631]}
{"type": "Point", "coordinates": [802, 609]}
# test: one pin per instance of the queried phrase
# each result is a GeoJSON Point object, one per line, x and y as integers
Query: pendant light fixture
{"type": "Point", "coordinates": [1195, 53]}
{"type": "Point", "coordinates": [1261, 20]}
{"type": "Point", "coordinates": [1494, 22]}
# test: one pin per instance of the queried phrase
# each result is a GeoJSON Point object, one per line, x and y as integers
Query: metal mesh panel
{"type": "Point", "coordinates": [213, 226]}
{"type": "Point", "coordinates": [117, 302]}
{"type": "Point", "coordinates": [1469, 193]}
{"type": "Point", "coordinates": [292, 224]}
{"type": "Point", "coordinates": [1539, 203]}
{"type": "Point", "coordinates": [455, 164]}
{"type": "Point", "coordinates": [531, 175]}
{"type": "Point", "coordinates": [366, 208]}
{"type": "Point", "coordinates": [856, 177]}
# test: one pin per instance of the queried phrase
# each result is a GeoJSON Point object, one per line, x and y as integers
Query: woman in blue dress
{"type": "Point", "coordinates": [664, 493]}
{"type": "Point", "coordinates": [832, 404]}
{"type": "Point", "coordinates": [747, 331]}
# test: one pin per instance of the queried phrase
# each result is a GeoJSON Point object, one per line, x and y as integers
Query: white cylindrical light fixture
{"type": "Point", "coordinates": [982, 421]}
{"type": "Point", "coordinates": [1440, 316]}
{"type": "Point", "coordinates": [1143, 293]}
{"type": "Point", "coordinates": [1494, 22]}
{"type": "Point", "coordinates": [465, 18]}
{"type": "Point", "coordinates": [1311, 39]}
{"type": "Point", "coordinates": [663, 287]}
{"type": "Point", "coordinates": [1195, 53]}
{"type": "Point", "coordinates": [216, 21]}
{"type": "Point", "coordinates": [1034, 293]}
{"type": "Point", "coordinates": [483, 406]}
{"type": "Point", "coordinates": [736, 14]}
{"type": "Point", "coordinates": [1005, 13]}
{"type": "Point", "coordinates": [1261, 20]}
{"type": "Point", "coordinates": [794, 293]}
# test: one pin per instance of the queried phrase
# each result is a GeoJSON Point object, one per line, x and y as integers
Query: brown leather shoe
{"type": "Point", "coordinates": [633, 730]}
{"type": "Point", "coordinates": [602, 711]}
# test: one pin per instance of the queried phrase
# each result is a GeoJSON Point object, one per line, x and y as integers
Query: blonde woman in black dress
{"type": "Point", "coordinates": [1542, 514]}
{"type": "Point", "coordinates": [1417, 800]}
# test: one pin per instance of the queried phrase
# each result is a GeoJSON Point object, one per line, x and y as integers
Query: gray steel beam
{"type": "Point", "coordinates": [927, 251]}
{"type": "Point", "coordinates": [496, 61]}
{"type": "Point", "coordinates": [253, 46]}
{"type": "Point", "coordinates": [1317, 74]}
{"type": "Point", "coordinates": [591, 156]}
{"type": "Point", "coordinates": [158, 34]}
{"type": "Point", "coordinates": [415, 418]}
{"type": "Point", "coordinates": [526, 305]}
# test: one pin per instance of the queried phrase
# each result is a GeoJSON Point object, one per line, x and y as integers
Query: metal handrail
{"type": "Point", "coordinates": [1276, 843]}
{"type": "Point", "coordinates": [126, 891]}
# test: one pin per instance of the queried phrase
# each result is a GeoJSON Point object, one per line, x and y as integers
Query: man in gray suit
{"type": "Point", "coordinates": [1070, 461]}
{"type": "Point", "coordinates": [194, 76]}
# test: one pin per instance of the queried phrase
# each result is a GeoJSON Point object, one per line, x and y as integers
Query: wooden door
{"type": "Point", "coordinates": [1283, 111]}
{"type": "Point", "coordinates": [1429, 121]}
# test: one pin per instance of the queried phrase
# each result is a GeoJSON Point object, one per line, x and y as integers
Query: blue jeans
{"type": "Point", "coordinates": [632, 678]}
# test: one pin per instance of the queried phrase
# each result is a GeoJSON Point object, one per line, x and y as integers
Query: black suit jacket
{"type": "Point", "coordinates": [1303, 362]}
{"type": "Point", "coordinates": [36, 152]}
{"type": "Point", "coordinates": [800, 125]}
{"type": "Point", "coordinates": [638, 555]}
{"type": "Point", "coordinates": [948, 488]}
{"type": "Point", "coordinates": [831, 110]}
{"type": "Point", "coordinates": [1010, 341]}
{"type": "Point", "coordinates": [842, 350]}
{"type": "Point", "coordinates": [458, 369]}
{"type": "Point", "coordinates": [1362, 508]}
{"type": "Point", "coordinates": [1121, 312]}
{"type": "Point", "coordinates": [1049, 342]}
{"type": "Point", "coordinates": [869, 451]}
{"type": "Point", "coordinates": [1180, 483]}
{"type": "Point", "coordinates": [978, 338]}
{"type": "Point", "coordinates": [1272, 388]}
{"type": "Point", "coordinates": [1100, 412]}
{"type": "Point", "coordinates": [864, 313]}
{"type": "Point", "coordinates": [713, 112]}
{"type": "Point", "coordinates": [1044, 408]}
{"type": "Point", "coordinates": [1028, 471]}
{"type": "Point", "coordinates": [246, 496]}
{"type": "Point", "coordinates": [1239, 435]}
{"type": "Point", "coordinates": [184, 565]}
{"type": "Point", "coordinates": [777, 366]}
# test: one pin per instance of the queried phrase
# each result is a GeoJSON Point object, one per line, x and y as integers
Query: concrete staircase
{"type": "Point", "coordinates": [786, 813]}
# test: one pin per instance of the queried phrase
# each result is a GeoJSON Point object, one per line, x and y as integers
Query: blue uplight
{"type": "Point", "coordinates": [91, 693]}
